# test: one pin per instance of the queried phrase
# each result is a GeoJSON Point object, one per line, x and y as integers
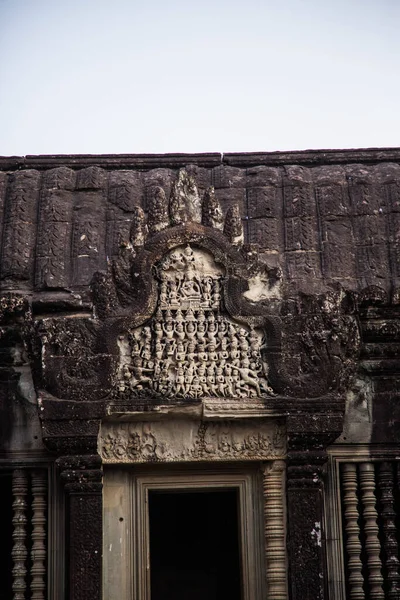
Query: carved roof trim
{"type": "Point", "coordinates": [244, 159]}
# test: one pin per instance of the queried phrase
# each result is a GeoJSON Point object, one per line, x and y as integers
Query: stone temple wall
{"type": "Point", "coordinates": [321, 217]}
{"type": "Point", "coordinates": [256, 289]}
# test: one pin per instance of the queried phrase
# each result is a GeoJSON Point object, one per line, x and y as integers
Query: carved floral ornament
{"type": "Point", "coordinates": [191, 441]}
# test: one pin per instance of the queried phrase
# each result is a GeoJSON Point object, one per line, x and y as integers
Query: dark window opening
{"type": "Point", "coordinates": [194, 545]}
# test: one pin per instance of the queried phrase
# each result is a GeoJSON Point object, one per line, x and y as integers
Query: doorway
{"type": "Point", "coordinates": [178, 533]}
{"type": "Point", "coordinates": [194, 545]}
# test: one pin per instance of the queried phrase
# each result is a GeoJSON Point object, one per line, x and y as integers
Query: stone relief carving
{"type": "Point", "coordinates": [190, 348]}
{"type": "Point", "coordinates": [181, 311]}
{"type": "Point", "coordinates": [186, 440]}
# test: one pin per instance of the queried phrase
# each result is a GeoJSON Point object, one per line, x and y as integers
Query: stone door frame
{"type": "Point", "coordinates": [139, 456]}
{"type": "Point", "coordinates": [132, 486]}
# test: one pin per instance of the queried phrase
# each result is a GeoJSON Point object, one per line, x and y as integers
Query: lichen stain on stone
{"type": "Point", "coordinates": [262, 287]}
{"type": "Point", "coordinates": [358, 419]}
{"type": "Point", "coordinates": [316, 534]}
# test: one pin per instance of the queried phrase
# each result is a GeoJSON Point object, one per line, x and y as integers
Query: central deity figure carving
{"type": "Point", "coordinates": [190, 348]}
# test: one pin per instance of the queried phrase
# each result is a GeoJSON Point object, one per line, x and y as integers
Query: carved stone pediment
{"type": "Point", "coordinates": [186, 314]}
{"type": "Point", "coordinates": [191, 348]}
{"type": "Point", "coordinates": [192, 441]}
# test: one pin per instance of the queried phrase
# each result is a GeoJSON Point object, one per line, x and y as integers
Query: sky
{"type": "Point", "coordinates": [155, 76]}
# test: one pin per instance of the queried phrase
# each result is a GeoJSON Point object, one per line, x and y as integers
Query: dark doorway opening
{"type": "Point", "coordinates": [194, 545]}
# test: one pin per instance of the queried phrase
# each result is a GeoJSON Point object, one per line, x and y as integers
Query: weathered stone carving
{"type": "Point", "coordinates": [138, 232]}
{"type": "Point", "coordinates": [190, 348]}
{"type": "Point", "coordinates": [212, 214]}
{"type": "Point", "coordinates": [188, 313]}
{"type": "Point", "coordinates": [233, 228]}
{"type": "Point", "coordinates": [158, 218]}
{"type": "Point", "coordinates": [187, 441]}
{"type": "Point", "coordinates": [19, 227]}
{"type": "Point", "coordinates": [54, 228]}
{"type": "Point", "coordinates": [185, 203]}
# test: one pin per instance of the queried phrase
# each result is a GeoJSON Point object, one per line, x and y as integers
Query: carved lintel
{"type": "Point", "coordinates": [191, 441]}
{"type": "Point", "coordinates": [14, 309]}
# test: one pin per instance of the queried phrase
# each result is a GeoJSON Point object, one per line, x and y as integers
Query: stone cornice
{"type": "Point", "coordinates": [209, 159]}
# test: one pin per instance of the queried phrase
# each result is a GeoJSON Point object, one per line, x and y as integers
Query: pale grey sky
{"type": "Point", "coordinates": [123, 76]}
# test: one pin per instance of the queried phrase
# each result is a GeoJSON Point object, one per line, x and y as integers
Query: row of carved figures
{"type": "Point", "coordinates": [195, 379]}
{"type": "Point", "coordinates": [210, 356]}
{"type": "Point", "coordinates": [189, 332]}
{"type": "Point", "coordinates": [196, 291]}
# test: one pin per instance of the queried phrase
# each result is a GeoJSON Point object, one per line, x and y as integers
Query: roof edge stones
{"type": "Point", "coordinates": [212, 159]}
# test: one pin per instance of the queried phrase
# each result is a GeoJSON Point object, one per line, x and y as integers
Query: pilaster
{"type": "Point", "coordinates": [82, 477]}
{"type": "Point", "coordinates": [307, 443]}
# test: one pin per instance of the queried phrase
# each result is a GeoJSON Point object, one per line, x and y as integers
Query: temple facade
{"type": "Point", "coordinates": [199, 376]}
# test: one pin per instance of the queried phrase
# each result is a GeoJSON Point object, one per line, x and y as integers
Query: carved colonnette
{"type": "Point", "coordinates": [352, 528]}
{"type": "Point", "coordinates": [275, 531]}
{"type": "Point", "coordinates": [20, 551]}
{"type": "Point", "coordinates": [29, 537]}
{"type": "Point", "coordinates": [372, 545]}
{"type": "Point", "coordinates": [38, 552]}
{"type": "Point", "coordinates": [364, 493]}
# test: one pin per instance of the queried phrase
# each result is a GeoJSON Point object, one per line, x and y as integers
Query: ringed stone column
{"type": "Point", "coordinates": [274, 524]}
{"type": "Point", "coordinates": [371, 530]}
{"type": "Point", "coordinates": [19, 551]}
{"type": "Point", "coordinates": [352, 528]}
